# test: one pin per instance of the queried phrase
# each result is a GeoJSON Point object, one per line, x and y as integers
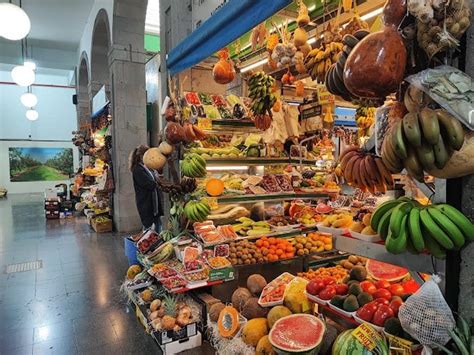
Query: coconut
{"type": "Point", "coordinates": [215, 310]}
{"type": "Point", "coordinates": [256, 283]}
{"type": "Point", "coordinates": [240, 297]}
{"type": "Point", "coordinates": [253, 310]}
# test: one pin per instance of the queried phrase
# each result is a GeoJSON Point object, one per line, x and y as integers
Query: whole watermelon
{"type": "Point", "coordinates": [346, 344]}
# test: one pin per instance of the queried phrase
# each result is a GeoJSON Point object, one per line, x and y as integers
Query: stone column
{"type": "Point", "coordinates": [128, 129]}
{"type": "Point", "coordinates": [83, 109]}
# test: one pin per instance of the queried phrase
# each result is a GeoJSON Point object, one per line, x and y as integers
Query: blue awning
{"type": "Point", "coordinates": [230, 22]}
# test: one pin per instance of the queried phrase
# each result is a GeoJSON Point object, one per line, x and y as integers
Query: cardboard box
{"type": "Point", "coordinates": [51, 214]}
{"type": "Point", "coordinates": [182, 344]}
{"type": "Point", "coordinates": [169, 336]}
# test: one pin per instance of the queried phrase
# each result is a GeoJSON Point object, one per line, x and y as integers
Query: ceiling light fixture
{"type": "Point", "coordinates": [23, 76]}
{"type": "Point", "coordinates": [372, 14]}
{"type": "Point", "coordinates": [29, 99]}
{"type": "Point", "coordinates": [32, 115]}
{"type": "Point", "coordinates": [253, 65]}
{"type": "Point", "coordinates": [14, 22]}
{"type": "Point", "coordinates": [30, 64]}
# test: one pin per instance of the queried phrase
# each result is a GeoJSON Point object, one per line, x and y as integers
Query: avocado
{"type": "Point", "coordinates": [338, 300]}
{"type": "Point", "coordinates": [405, 296]}
{"type": "Point", "coordinates": [358, 273]}
{"type": "Point", "coordinates": [355, 289]}
{"type": "Point", "coordinates": [364, 298]}
{"type": "Point", "coordinates": [350, 282]}
{"type": "Point", "coordinates": [394, 327]}
{"type": "Point", "coordinates": [350, 304]}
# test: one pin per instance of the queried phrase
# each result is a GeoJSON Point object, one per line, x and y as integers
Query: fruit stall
{"type": "Point", "coordinates": [310, 213]}
{"type": "Point", "coordinates": [94, 182]}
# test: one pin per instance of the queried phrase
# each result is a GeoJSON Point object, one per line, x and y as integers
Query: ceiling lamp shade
{"type": "Point", "coordinates": [23, 76]}
{"type": "Point", "coordinates": [32, 115]}
{"type": "Point", "coordinates": [28, 99]}
{"type": "Point", "coordinates": [14, 22]}
{"type": "Point", "coordinates": [30, 64]}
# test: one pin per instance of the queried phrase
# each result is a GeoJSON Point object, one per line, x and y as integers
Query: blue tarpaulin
{"type": "Point", "coordinates": [230, 22]}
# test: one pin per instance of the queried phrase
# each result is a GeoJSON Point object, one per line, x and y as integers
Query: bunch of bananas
{"type": "Point", "coordinates": [364, 170]}
{"type": "Point", "coordinates": [197, 211]}
{"type": "Point", "coordinates": [193, 166]}
{"type": "Point", "coordinates": [405, 224]}
{"type": "Point", "coordinates": [319, 60]}
{"type": "Point", "coordinates": [162, 253]}
{"type": "Point", "coordinates": [422, 141]}
{"type": "Point", "coordinates": [365, 118]}
{"type": "Point", "coordinates": [338, 220]}
{"type": "Point", "coordinates": [260, 91]}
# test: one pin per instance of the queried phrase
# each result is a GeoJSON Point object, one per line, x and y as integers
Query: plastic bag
{"type": "Point", "coordinates": [450, 88]}
{"type": "Point", "coordinates": [426, 316]}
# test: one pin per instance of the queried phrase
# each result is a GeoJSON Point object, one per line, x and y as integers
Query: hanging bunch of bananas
{"type": "Point", "coordinates": [319, 60]}
{"type": "Point", "coordinates": [365, 118]}
{"type": "Point", "coordinates": [263, 99]}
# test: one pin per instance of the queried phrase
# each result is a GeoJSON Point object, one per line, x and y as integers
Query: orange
{"type": "Point", "coordinates": [279, 252]}
{"type": "Point", "coordinates": [289, 248]}
{"type": "Point", "coordinates": [264, 251]}
{"type": "Point", "coordinates": [264, 238]}
{"type": "Point", "coordinates": [272, 241]}
{"type": "Point", "coordinates": [259, 243]}
{"type": "Point", "coordinates": [266, 244]}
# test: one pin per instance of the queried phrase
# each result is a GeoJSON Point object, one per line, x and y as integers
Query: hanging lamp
{"type": "Point", "coordinates": [32, 115]}
{"type": "Point", "coordinates": [14, 22]}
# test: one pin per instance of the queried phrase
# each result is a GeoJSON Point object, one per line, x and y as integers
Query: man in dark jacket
{"type": "Point", "coordinates": [147, 195]}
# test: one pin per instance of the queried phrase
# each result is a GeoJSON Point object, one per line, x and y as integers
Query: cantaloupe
{"type": "Point", "coordinates": [228, 322]}
{"type": "Point", "coordinates": [215, 310]}
{"type": "Point", "coordinates": [276, 313]}
{"type": "Point", "coordinates": [254, 330]}
{"type": "Point", "coordinates": [240, 297]}
{"type": "Point", "coordinates": [264, 347]}
{"type": "Point", "coordinates": [154, 159]}
{"type": "Point", "coordinates": [256, 283]}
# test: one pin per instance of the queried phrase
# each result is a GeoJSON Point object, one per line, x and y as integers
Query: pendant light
{"type": "Point", "coordinates": [29, 99]}
{"type": "Point", "coordinates": [32, 115]}
{"type": "Point", "coordinates": [30, 64]}
{"type": "Point", "coordinates": [23, 76]}
{"type": "Point", "coordinates": [14, 22]}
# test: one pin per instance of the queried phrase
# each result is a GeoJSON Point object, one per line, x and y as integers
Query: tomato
{"type": "Point", "coordinates": [382, 293]}
{"type": "Point", "coordinates": [396, 289]}
{"type": "Point", "coordinates": [382, 301]}
{"type": "Point", "coordinates": [314, 287]}
{"type": "Point", "coordinates": [368, 286]}
{"type": "Point", "coordinates": [367, 311]}
{"type": "Point", "coordinates": [341, 289]}
{"type": "Point", "coordinates": [395, 305]}
{"type": "Point", "coordinates": [328, 293]}
{"type": "Point", "coordinates": [382, 314]}
{"type": "Point", "coordinates": [410, 286]}
{"type": "Point", "coordinates": [382, 284]}
{"type": "Point", "coordinates": [329, 280]}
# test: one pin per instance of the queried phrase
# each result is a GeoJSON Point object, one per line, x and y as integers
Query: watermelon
{"type": "Point", "coordinates": [346, 344]}
{"type": "Point", "coordinates": [383, 271]}
{"type": "Point", "coordinates": [297, 334]}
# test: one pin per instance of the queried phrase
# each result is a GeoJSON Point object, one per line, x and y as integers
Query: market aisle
{"type": "Point", "coordinates": [72, 304]}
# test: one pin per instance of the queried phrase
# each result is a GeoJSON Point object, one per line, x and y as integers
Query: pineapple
{"type": "Point", "coordinates": [169, 319]}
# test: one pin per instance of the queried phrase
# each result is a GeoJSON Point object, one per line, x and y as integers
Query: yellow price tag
{"type": "Point", "coordinates": [367, 336]}
{"type": "Point", "coordinates": [204, 123]}
{"type": "Point", "coordinates": [212, 202]}
{"type": "Point", "coordinates": [398, 345]}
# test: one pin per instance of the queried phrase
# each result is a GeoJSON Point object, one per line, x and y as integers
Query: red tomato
{"type": "Point", "coordinates": [382, 301]}
{"type": "Point", "coordinates": [329, 280]}
{"type": "Point", "coordinates": [341, 289]}
{"type": "Point", "coordinates": [382, 284]}
{"type": "Point", "coordinates": [396, 289]}
{"type": "Point", "coordinates": [367, 311]}
{"type": "Point", "coordinates": [382, 293]}
{"type": "Point", "coordinates": [410, 286]}
{"type": "Point", "coordinates": [328, 293]}
{"type": "Point", "coordinates": [314, 287]}
{"type": "Point", "coordinates": [382, 314]}
{"type": "Point", "coordinates": [395, 305]}
{"type": "Point", "coordinates": [368, 286]}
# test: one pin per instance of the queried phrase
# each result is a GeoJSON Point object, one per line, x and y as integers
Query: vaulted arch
{"type": "Point", "coordinates": [100, 74]}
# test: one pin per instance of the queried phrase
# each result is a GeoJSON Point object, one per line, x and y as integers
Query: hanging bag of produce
{"type": "Point", "coordinates": [223, 71]}
{"type": "Point", "coordinates": [426, 316]}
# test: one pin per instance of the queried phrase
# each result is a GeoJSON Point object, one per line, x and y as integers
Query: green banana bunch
{"type": "Point", "coordinates": [193, 166]}
{"type": "Point", "coordinates": [260, 91]}
{"type": "Point", "coordinates": [404, 224]}
{"type": "Point", "coordinates": [197, 211]}
{"type": "Point", "coordinates": [422, 141]}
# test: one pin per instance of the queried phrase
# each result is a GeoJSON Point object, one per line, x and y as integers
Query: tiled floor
{"type": "Point", "coordinates": [72, 305]}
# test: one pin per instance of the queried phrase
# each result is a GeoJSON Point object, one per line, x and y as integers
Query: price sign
{"type": "Point", "coordinates": [367, 336]}
{"type": "Point", "coordinates": [398, 345]}
{"type": "Point", "coordinates": [204, 123]}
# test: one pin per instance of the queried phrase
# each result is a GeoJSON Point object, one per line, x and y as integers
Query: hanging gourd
{"type": "Point", "coordinates": [347, 5]}
{"type": "Point", "coordinates": [223, 71]}
{"type": "Point", "coordinates": [303, 17]}
{"type": "Point", "coordinates": [299, 88]}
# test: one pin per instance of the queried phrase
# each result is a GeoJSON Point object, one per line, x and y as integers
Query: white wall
{"type": "Point", "coordinates": [57, 120]}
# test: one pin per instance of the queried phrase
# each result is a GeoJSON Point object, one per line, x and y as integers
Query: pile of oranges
{"type": "Point", "coordinates": [274, 249]}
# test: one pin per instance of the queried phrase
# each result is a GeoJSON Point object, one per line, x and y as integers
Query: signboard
{"type": "Point", "coordinates": [310, 110]}
{"type": "Point", "coordinates": [99, 100]}
{"type": "Point", "coordinates": [344, 116]}
{"type": "Point", "coordinates": [203, 9]}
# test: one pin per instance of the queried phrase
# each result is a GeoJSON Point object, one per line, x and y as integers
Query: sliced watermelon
{"type": "Point", "coordinates": [297, 334]}
{"type": "Point", "coordinates": [383, 271]}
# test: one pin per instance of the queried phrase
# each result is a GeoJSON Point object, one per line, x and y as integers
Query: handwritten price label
{"type": "Point", "coordinates": [367, 336]}
{"type": "Point", "coordinates": [398, 345]}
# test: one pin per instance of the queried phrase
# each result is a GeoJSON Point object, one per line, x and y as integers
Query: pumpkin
{"type": "Point", "coordinates": [153, 159]}
{"type": "Point", "coordinates": [214, 187]}
{"type": "Point", "coordinates": [228, 322]}
{"type": "Point", "coordinates": [165, 148]}
{"type": "Point", "coordinates": [376, 65]}
{"type": "Point", "coordinates": [223, 71]}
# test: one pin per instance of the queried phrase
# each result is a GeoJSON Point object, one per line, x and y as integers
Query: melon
{"type": "Point", "coordinates": [256, 283]}
{"type": "Point", "coordinates": [215, 310]}
{"type": "Point", "coordinates": [297, 334]}
{"type": "Point", "coordinates": [252, 309]}
{"type": "Point", "coordinates": [276, 313]}
{"type": "Point", "coordinates": [347, 344]}
{"type": "Point", "coordinates": [228, 322]}
{"type": "Point", "coordinates": [240, 297]}
{"type": "Point", "coordinates": [133, 271]}
{"type": "Point", "coordinates": [383, 271]}
{"type": "Point", "coordinates": [264, 347]}
{"type": "Point", "coordinates": [154, 159]}
{"type": "Point", "coordinates": [254, 330]}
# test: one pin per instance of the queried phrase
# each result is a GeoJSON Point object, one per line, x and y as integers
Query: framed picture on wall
{"type": "Point", "coordinates": [40, 164]}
